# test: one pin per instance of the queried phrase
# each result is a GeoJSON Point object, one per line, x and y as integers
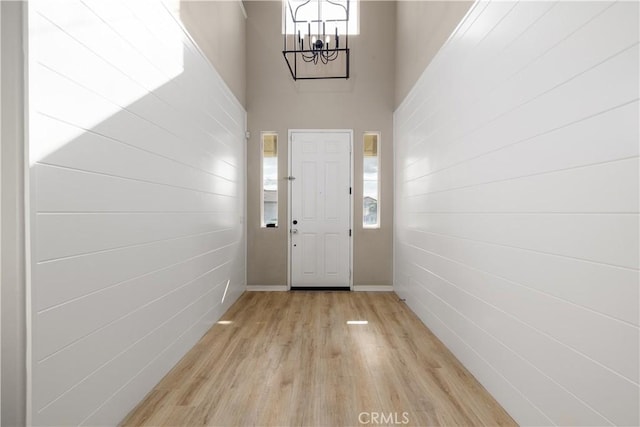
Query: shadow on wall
{"type": "Point", "coordinates": [137, 191]}
{"type": "Point", "coordinates": [218, 27]}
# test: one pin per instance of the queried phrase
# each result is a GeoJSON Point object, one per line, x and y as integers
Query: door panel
{"type": "Point", "coordinates": [320, 209]}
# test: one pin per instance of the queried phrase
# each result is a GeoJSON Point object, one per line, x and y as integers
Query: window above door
{"type": "Point", "coordinates": [329, 10]}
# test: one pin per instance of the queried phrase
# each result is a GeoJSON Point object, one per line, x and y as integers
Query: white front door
{"type": "Point", "coordinates": [320, 221]}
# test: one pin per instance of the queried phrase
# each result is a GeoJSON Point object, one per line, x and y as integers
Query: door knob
{"type": "Point", "coordinates": [294, 231]}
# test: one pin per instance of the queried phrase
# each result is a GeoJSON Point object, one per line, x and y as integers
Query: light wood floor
{"type": "Point", "coordinates": [291, 359]}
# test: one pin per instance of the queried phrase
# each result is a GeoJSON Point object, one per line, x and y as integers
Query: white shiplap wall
{"type": "Point", "coordinates": [516, 231]}
{"type": "Point", "coordinates": [137, 203]}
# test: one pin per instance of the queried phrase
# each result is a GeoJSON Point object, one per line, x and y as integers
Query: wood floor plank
{"type": "Point", "coordinates": [291, 359]}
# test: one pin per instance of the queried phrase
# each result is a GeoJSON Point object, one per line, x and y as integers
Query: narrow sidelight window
{"type": "Point", "coordinates": [269, 193]}
{"type": "Point", "coordinates": [371, 180]}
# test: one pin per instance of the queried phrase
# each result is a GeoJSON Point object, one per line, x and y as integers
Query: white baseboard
{"type": "Point", "coordinates": [266, 288]}
{"type": "Point", "coordinates": [373, 288]}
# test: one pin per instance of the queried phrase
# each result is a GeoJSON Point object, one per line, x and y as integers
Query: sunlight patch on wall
{"type": "Point", "coordinates": [91, 59]}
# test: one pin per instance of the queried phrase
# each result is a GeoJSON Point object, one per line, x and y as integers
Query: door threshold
{"type": "Point", "coordinates": [320, 288]}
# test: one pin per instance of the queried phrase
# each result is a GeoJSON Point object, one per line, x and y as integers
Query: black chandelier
{"type": "Point", "coordinates": [320, 36]}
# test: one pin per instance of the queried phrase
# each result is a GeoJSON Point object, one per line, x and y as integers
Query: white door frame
{"type": "Point", "coordinates": [289, 204]}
